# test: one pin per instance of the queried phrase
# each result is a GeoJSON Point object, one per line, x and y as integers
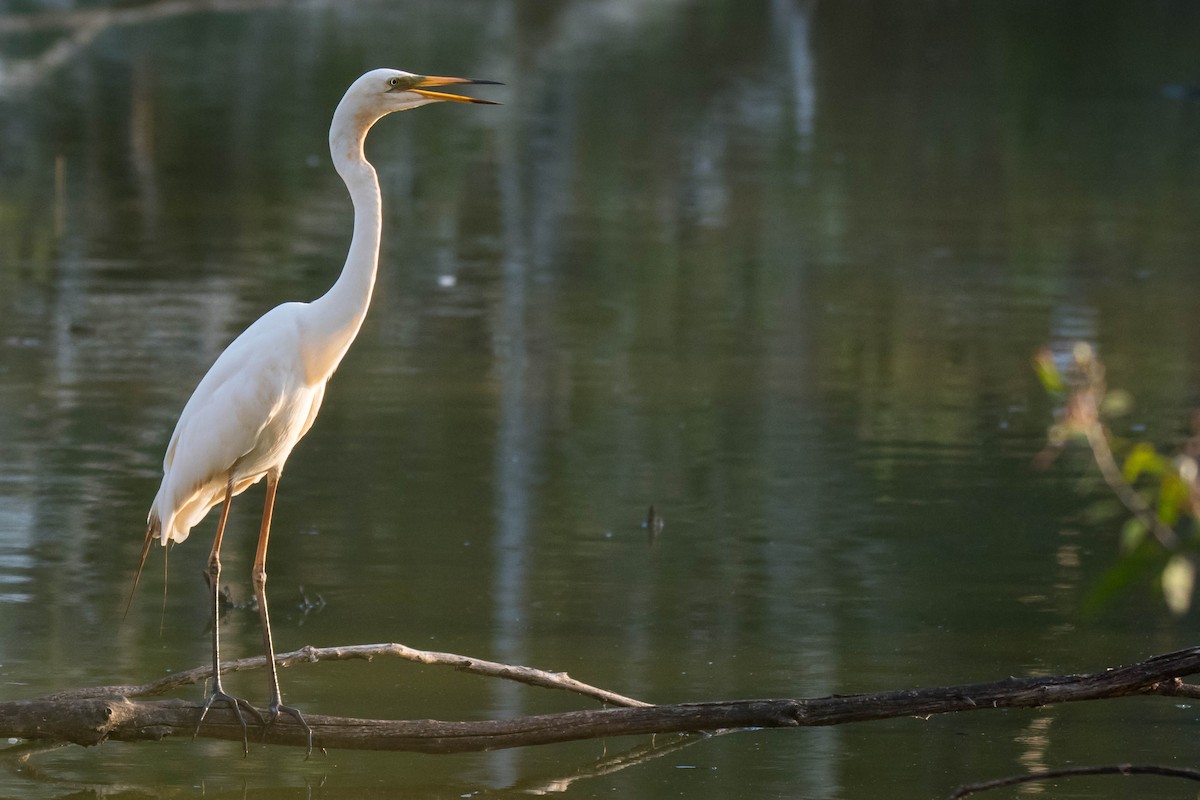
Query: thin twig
{"type": "Point", "coordinates": [1098, 440]}
{"type": "Point", "coordinates": [309, 655]}
{"type": "Point", "coordinates": [1177, 688]}
{"type": "Point", "coordinates": [1071, 772]}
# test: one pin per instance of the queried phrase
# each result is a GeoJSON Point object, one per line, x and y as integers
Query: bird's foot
{"type": "Point", "coordinates": [237, 705]}
{"type": "Point", "coordinates": [275, 709]}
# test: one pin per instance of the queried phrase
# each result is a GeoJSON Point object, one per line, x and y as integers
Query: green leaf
{"type": "Point", "coordinates": [1142, 458]}
{"type": "Point", "coordinates": [1133, 533]}
{"type": "Point", "coordinates": [1178, 582]}
{"type": "Point", "coordinates": [1048, 374]}
{"type": "Point", "coordinates": [1173, 496]}
{"type": "Point", "coordinates": [1116, 403]}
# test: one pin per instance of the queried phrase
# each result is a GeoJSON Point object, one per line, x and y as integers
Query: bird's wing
{"type": "Point", "coordinates": [234, 402]}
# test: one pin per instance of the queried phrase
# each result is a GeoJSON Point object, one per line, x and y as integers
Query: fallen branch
{"type": "Point", "coordinates": [111, 713]}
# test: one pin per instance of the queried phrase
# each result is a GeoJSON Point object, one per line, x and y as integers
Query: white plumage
{"type": "Point", "coordinates": [263, 392]}
{"type": "Point", "coordinates": [243, 420]}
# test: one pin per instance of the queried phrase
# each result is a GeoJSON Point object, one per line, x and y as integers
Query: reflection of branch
{"type": "Point", "coordinates": [1051, 774]}
{"type": "Point", "coordinates": [86, 718]}
{"type": "Point", "coordinates": [18, 760]}
{"type": "Point", "coordinates": [610, 764]}
{"type": "Point", "coordinates": [81, 26]}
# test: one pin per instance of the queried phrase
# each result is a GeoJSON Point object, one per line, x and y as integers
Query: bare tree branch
{"type": "Point", "coordinates": [128, 14]}
{"type": "Point", "coordinates": [92, 716]}
{"type": "Point", "coordinates": [80, 26]}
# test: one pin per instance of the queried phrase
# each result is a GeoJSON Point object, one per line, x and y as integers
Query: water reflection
{"type": "Point", "coordinates": [775, 269]}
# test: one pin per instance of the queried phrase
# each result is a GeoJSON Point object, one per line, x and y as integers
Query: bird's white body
{"type": "Point", "coordinates": [243, 420]}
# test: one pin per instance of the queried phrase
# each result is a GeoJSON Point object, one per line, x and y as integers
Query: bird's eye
{"type": "Point", "coordinates": [394, 81]}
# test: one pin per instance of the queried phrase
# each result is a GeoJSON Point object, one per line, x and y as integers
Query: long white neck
{"type": "Point", "coordinates": [333, 320]}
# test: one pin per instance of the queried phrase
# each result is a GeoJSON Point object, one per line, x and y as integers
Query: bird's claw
{"type": "Point", "coordinates": [275, 709]}
{"type": "Point", "coordinates": [236, 704]}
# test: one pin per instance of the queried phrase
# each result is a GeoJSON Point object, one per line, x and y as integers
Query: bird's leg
{"type": "Point", "coordinates": [259, 577]}
{"type": "Point", "coordinates": [218, 693]}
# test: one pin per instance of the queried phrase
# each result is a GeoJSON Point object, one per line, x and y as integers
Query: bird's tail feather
{"type": "Point", "coordinates": [153, 528]}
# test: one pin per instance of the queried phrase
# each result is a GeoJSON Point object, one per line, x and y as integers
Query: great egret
{"type": "Point", "coordinates": [263, 392]}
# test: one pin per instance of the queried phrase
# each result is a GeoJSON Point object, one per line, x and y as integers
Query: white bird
{"type": "Point", "coordinates": [263, 392]}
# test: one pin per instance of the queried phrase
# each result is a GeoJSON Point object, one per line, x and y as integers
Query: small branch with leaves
{"type": "Point", "coordinates": [1160, 492]}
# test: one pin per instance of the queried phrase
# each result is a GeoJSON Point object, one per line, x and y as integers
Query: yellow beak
{"type": "Point", "coordinates": [437, 80]}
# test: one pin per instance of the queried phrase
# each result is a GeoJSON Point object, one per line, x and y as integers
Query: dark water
{"type": "Point", "coordinates": [776, 268]}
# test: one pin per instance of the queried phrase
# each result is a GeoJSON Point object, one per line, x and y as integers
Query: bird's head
{"type": "Point", "coordinates": [384, 91]}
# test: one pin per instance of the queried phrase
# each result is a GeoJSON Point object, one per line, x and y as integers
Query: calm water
{"type": "Point", "coordinates": [776, 268]}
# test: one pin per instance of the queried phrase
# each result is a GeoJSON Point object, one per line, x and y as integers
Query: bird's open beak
{"type": "Point", "coordinates": [435, 80]}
